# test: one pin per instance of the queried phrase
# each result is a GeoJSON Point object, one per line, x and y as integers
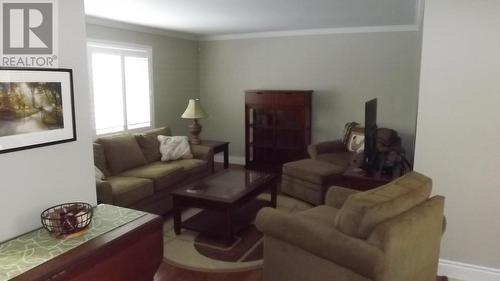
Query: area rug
{"type": "Point", "coordinates": [193, 251]}
{"type": "Point", "coordinates": [247, 247]}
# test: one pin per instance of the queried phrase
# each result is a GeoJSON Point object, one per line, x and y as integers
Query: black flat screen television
{"type": "Point", "coordinates": [370, 151]}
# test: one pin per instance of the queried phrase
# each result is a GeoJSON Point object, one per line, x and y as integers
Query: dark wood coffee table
{"type": "Point", "coordinates": [226, 197]}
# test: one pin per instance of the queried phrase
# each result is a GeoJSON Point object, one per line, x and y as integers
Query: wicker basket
{"type": "Point", "coordinates": [67, 218]}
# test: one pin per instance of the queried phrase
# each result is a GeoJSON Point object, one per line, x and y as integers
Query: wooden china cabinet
{"type": "Point", "coordinates": [277, 127]}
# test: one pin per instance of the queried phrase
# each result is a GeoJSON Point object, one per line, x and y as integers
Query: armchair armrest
{"type": "Point", "coordinates": [417, 231]}
{"type": "Point", "coordinates": [104, 191]}
{"type": "Point", "coordinates": [325, 147]}
{"type": "Point", "coordinates": [336, 196]}
{"type": "Point", "coordinates": [321, 240]}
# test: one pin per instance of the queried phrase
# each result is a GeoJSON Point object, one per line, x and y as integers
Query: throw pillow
{"type": "Point", "coordinates": [347, 131]}
{"type": "Point", "coordinates": [100, 159]}
{"type": "Point", "coordinates": [148, 141]}
{"type": "Point", "coordinates": [173, 148]}
{"type": "Point", "coordinates": [356, 140]}
{"type": "Point", "coordinates": [98, 174]}
{"type": "Point", "coordinates": [122, 153]}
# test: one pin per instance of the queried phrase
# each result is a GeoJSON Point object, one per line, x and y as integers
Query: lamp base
{"type": "Point", "coordinates": [194, 131]}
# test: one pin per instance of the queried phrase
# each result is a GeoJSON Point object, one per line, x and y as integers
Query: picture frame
{"type": "Point", "coordinates": [36, 108]}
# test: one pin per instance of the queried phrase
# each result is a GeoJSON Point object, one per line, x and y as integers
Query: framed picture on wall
{"type": "Point", "coordinates": [36, 108]}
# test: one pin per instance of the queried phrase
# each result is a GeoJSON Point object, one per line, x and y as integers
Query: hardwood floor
{"type": "Point", "coordinates": [167, 272]}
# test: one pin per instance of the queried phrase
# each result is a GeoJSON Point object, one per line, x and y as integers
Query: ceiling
{"type": "Point", "coordinates": [219, 17]}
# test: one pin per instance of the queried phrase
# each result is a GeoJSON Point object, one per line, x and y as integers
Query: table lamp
{"type": "Point", "coordinates": [194, 111]}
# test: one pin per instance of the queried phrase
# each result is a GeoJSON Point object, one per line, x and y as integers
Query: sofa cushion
{"type": "Point", "coordinates": [150, 146]}
{"type": "Point", "coordinates": [340, 159]}
{"type": "Point", "coordinates": [164, 175]}
{"type": "Point", "coordinates": [100, 159]}
{"type": "Point", "coordinates": [314, 171]}
{"type": "Point", "coordinates": [191, 167]}
{"type": "Point", "coordinates": [129, 190]}
{"type": "Point", "coordinates": [363, 211]}
{"type": "Point", "coordinates": [122, 152]}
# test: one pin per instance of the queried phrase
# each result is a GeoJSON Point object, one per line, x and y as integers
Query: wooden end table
{"type": "Point", "coordinates": [225, 194]}
{"type": "Point", "coordinates": [358, 179]}
{"type": "Point", "coordinates": [218, 146]}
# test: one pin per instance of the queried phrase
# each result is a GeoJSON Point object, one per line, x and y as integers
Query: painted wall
{"type": "Point", "coordinates": [175, 71]}
{"type": "Point", "coordinates": [35, 179]}
{"type": "Point", "coordinates": [458, 124]}
{"type": "Point", "coordinates": [344, 70]}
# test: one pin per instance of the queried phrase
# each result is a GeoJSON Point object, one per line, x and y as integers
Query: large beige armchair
{"type": "Point", "coordinates": [391, 233]}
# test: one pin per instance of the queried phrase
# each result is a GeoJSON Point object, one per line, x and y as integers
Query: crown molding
{"type": "Point", "coordinates": [419, 14]}
{"type": "Point", "coordinates": [139, 28]}
{"type": "Point", "coordinates": [306, 32]}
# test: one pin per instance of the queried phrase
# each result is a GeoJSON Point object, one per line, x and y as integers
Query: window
{"type": "Point", "coordinates": [121, 87]}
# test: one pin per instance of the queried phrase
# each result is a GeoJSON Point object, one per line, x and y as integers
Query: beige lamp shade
{"type": "Point", "coordinates": [194, 110]}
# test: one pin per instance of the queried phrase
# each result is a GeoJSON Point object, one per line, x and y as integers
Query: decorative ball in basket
{"type": "Point", "coordinates": [68, 218]}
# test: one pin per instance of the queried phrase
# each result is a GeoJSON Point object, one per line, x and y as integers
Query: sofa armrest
{"type": "Point", "coordinates": [336, 196]}
{"type": "Point", "coordinates": [203, 152]}
{"type": "Point", "coordinates": [104, 191]}
{"type": "Point", "coordinates": [321, 240]}
{"type": "Point", "coordinates": [325, 147]}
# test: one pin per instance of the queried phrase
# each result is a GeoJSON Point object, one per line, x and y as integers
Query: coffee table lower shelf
{"type": "Point", "coordinates": [214, 223]}
{"type": "Point", "coordinates": [228, 199]}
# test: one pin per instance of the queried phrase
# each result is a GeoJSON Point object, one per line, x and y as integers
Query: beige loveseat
{"type": "Point", "coordinates": [136, 178]}
{"type": "Point", "coordinates": [391, 233]}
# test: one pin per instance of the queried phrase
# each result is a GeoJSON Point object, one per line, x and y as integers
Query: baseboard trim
{"type": "Point", "coordinates": [237, 160]}
{"type": "Point", "coordinates": [467, 272]}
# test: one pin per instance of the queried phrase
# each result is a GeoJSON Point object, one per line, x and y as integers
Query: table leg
{"type": "Point", "coordinates": [177, 217]}
{"type": "Point", "coordinates": [229, 227]}
{"type": "Point", "coordinates": [226, 157]}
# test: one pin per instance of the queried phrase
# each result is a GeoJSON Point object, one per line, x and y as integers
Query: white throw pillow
{"type": "Point", "coordinates": [99, 174]}
{"type": "Point", "coordinates": [356, 142]}
{"type": "Point", "coordinates": [173, 148]}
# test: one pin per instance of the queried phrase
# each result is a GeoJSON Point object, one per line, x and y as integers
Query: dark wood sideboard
{"type": "Point", "coordinates": [132, 252]}
{"type": "Point", "coordinates": [277, 127]}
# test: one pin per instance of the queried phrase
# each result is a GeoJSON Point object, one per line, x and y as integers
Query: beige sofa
{"type": "Point", "coordinates": [391, 233]}
{"type": "Point", "coordinates": [136, 178]}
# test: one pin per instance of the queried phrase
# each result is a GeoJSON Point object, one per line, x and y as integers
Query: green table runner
{"type": "Point", "coordinates": [34, 248]}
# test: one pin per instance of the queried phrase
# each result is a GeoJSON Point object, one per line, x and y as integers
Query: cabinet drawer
{"type": "Point", "coordinates": [259, 98]}
{"type": "Point", "coordinates": [290, 98]}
